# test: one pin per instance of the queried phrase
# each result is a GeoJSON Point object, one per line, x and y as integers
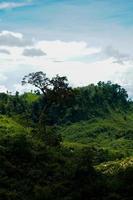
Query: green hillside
{"type": "Point", "coordinates": [114, 167]}
{"type": "Point", "coordinates": [9, 127]}
{"type": "Point", "coordinates": [114, 134]}
{"type": "Point", "coordinates": [66, 143]}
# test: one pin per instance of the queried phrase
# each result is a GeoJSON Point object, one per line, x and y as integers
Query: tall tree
{"type": "Point", "coordinates": [54, 91]}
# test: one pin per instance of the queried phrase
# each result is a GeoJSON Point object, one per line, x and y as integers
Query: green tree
{"type": "Point", "coordinates": [54, 91]}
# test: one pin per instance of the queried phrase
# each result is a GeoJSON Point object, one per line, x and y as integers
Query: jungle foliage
{"type": "Point", "coordinates": [65, 143]}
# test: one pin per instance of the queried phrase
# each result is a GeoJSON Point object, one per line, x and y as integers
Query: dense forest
{"type": "Point", "coordinates": [64, 143]}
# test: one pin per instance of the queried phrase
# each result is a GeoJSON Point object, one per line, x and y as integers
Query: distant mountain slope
{"type": "Point", "coordinates": [114, 134]}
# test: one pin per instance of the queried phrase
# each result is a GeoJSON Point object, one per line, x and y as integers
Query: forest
{"type": "Point", "coordinates": [64, 143]}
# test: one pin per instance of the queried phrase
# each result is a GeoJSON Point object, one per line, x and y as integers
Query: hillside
{"type": "Point", "coordinates": [112, 168]}
{"type": "Point", "coordinates": [10, 127]}
{"type": "Point", "coordinates": [113, 134]}
{"type": "Point", "coordinates": [66, 143]}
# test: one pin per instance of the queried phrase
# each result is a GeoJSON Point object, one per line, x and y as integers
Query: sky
{"type": "Point", "coordinates": [86, 40]}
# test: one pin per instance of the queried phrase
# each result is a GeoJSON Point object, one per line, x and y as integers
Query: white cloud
{"type": "Point", "coordinates": [3, 78]}
{"type": "Point", "coordinates": [61, 58]}
{"type": "Point", "coordinates": [125, 78]}
{"type": "Point", "coordinates": [83, 73]}
{"type": "Point", "coordinates": [4, 51]}
{"type": "Point", "coordinates": [11, 39]}
{"type": "Point", "coordinates": [22, 89]}
{"type": "Point", "coordinates": [64, 50]}
{"type": "Point", "coordinates": [33, 52]}
{"type": "Point", "coordinates": [11, 5]}
{"type": "Point", "coordinates": [3, 89]}
{"type": "Point", "coordinates": [117, 55]}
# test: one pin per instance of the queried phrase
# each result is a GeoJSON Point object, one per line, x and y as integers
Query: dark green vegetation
{"type": "Point", "coordinates": [60, 143]}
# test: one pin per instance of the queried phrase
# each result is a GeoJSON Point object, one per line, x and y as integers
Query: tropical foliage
{"type": "Point", "coordinates": [66, 143]}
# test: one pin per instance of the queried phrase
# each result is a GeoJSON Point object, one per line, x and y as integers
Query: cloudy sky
{"type": "Point", "coordinates": [86, 40]}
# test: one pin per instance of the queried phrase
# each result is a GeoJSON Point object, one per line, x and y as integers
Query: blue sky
{"type": "Point", "coordinates": [87, 40]}
{"type": "Point", "coordinates": [83, 17]}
